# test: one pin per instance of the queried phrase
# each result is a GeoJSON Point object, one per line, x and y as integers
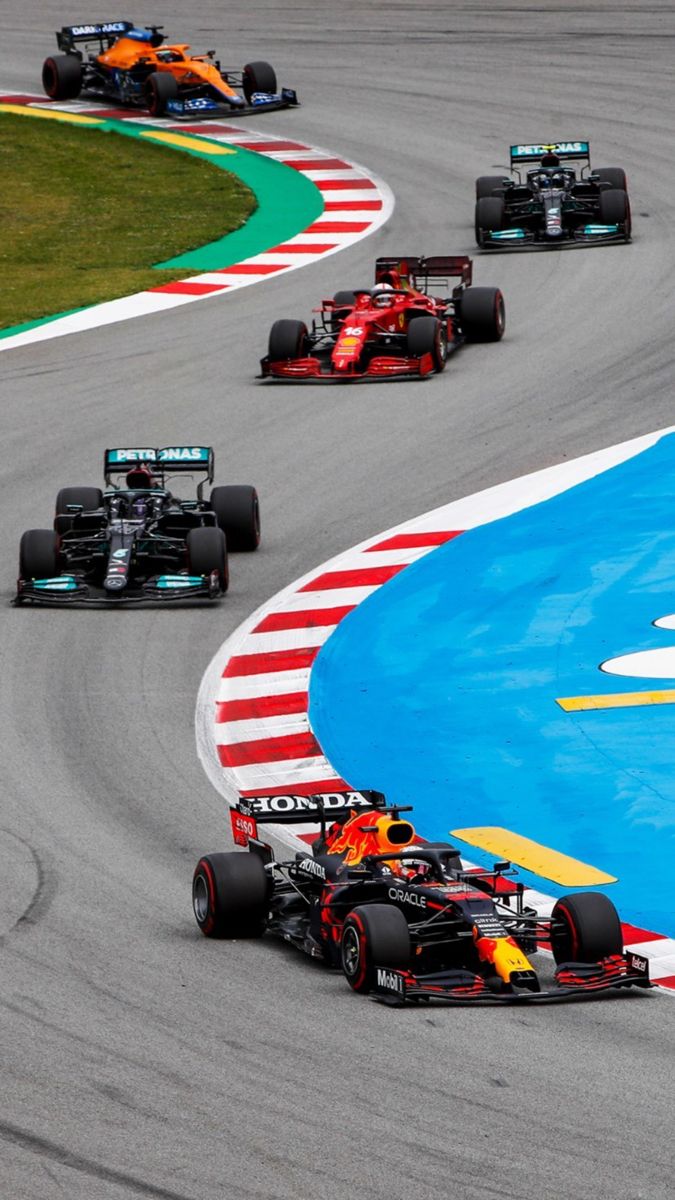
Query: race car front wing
{"type": "Point", "coordinates": [72, 589]}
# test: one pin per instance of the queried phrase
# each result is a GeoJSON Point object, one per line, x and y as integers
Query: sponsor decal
{"type": "Point", "coordinates": [109, 27]}
{"type": "Point", "coordinates": [404, 897]}
{"type": "Point", "coordinates": [638, 964]}
{"type": "Point", "coordinates": [390, 981]}
{"type": "Point", "coordinates": [489, 926]}
{"type": "Point", "coordinates": [171, 454]}
{"type": "Point", "coordinates": [311, 867]}
{"type": "Point", "coordinates": [243, 828]}
{"type": "Point", "coordinates": [278, 805]}
{"type": "Point", "coordinates": [549, 148]}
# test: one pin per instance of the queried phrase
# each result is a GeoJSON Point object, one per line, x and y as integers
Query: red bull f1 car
{"type": "Point", "coordinates": [396, 328]}
{"type": "Point", "coordinates": [552, 205]}
{"type": "Point", "coordinates": [405, 922]}
{"type": "Point", "coordinates": [139, 542]}
{"type": "Point", "coordinates": [133, 66]}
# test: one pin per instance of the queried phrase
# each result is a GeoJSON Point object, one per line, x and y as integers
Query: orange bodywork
{"type": "Point", "coordinates": [186, 69]}
{"type": "Point", "coordinates": [370, 833]}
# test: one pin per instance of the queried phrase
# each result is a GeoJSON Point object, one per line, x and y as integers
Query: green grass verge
{"type": "Point", "coordinates": [85, 215]}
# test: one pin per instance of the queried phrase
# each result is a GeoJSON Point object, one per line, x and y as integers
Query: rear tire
{"type": "Point", "coordinates": [258, 77]}
{"type": "Point", "coordinates": [62, 77]}
{"type": "Point", "coordinates": [373, 935]}
{"type": "Point", "coordinates": [489, 216]}
{"type": "Point", "coordinates": [38, 554]}
{"type": "Point", "coordinates": [288, 340]}
{"type": "Point", "coordinates": [614, 209]}
{"type": "Point", "coordinates": [160, 87]}
{"type": "Point", "coordinates": [207, 552]}
{"type": "Point", "coordinates": [89, 498]}
{"type": "Point", "coordinates": [614, 176]}
{"type": "Point", "coordinates": [428, 335]}
{"type": "Point", "coordinates": [230, 895]}
{"type": "Point", "coordinates": [482, 314]}
{"type": "Point", "coordinates": [238, 514]}
{"type": "Point", "coordinates": [585, 927]}
{"type": "Point", "coordinates": [343, 303]}
{"type": "Point", "coordinates": [486, 185]}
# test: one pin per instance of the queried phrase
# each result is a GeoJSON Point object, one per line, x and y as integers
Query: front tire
{"type": "Point", "coordinates": [62, 77]}
{"type": "Point", "coordinates": [489, 216]}
{"type": "Point", "coordinates": [585, 927]}
{"type": "Point", "coordinates": [160, 87]}
{"type": "Point", "coordinates": [230, 894]}
{"type": "Point", "coordinates": [288, 340]}
{"type": "Point", "coordinates": [482, 314]}
{"type": "Point", "coordinates": [238, 514]}
{"type": "Point", "coordinates": [428, 335]}
{"type": "Point", "coordinates": [614, 209]}
{"type": "Point", "coordinates": [614, 176]}
{"type": "Point", "coordinates": [207, 552]}
{"type": "Point", "coordinates": [258, 77]}
{"type": "Point", "coordinates": [38, 554]}
{"type": "Point", "coordinates": [373, 935]}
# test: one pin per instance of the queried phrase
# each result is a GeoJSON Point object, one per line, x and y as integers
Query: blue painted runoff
{"type": "Point", "coordinates": [441, 688]}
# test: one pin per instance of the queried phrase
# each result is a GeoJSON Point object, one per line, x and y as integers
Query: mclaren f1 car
{"type": "Point", "coordinates": [139, 542]}
{"type": "Point", "coordinates": [404, 921]}
{"type": "Point", "coordinates": [552, 205]}
{"type": "Point", "coordinates": [396, 328]}
{"type": "Point", "coordinates": [122, 63]}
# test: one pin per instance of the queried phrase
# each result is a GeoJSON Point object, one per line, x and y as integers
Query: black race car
{"type": "Point", "coordinates": [139, 542]}
{"type": "Point", "coordinates": [404, 921]}
{"type": "Point", "coordinates": [134, 67]}
{"type": "Point", "coordinates": [552, 206]}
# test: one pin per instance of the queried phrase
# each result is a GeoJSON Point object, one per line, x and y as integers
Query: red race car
{"type": "Point", "coordinates": [395, 328]}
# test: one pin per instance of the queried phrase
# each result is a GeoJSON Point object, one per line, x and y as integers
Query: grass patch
{"type": "Point", "coordinates": [84, 215]}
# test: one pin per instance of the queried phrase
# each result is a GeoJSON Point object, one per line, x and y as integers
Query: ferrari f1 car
{"type": "Point", "coordinates": [404, 921]}
{"type": "Point", "coordinates": [552, 205]}
{"type": "Point", "coordinates": [132, 66]}
{"type": "Point", "coordinates": [139, 542]}
{"type": "Point", "coordinates": [395, 328]}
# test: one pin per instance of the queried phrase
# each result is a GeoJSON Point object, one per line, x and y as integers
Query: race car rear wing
{"type": "Point", "coordinates": [420, 270]}
{"type": "Point", "coordinates": [291, 809]}
{"type": "Point", "coordinates": [105, 32]}
{"type": "Point", "coordinates": [564, 150]}
{"type": "Point", "coordinates": [171, 460]}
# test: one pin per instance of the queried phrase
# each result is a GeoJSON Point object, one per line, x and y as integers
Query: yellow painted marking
{"type": "Point", "coordinates": [49, 114]}
{"type": "Point", "coordinates": [187, 143]}
{"type": "Point", "coordinates": [617, 700]}
{"type": "Point", "coordinates": [550, 864]}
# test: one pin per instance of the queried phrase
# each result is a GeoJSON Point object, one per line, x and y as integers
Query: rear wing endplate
{"type": "Point", "coordinates": [101, 31]}
{"type": "Point", "coordinates": [531, 152]}
{"type": "Point", "coordinates": [167, 461]}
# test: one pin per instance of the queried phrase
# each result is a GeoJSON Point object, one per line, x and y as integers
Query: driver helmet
{"type": "Point", "coordinates": [550, 160]}
{"type": "Point", "coordinates": [381, 295]}
{"type": "Point", "coordinates": [140, 479]}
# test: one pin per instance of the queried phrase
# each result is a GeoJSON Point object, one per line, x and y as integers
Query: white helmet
{"type": "Point", "coordinates": [380, 294]}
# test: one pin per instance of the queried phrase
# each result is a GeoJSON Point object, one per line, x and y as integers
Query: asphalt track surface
{"type": "Point", "coordinates": [139, 1059]}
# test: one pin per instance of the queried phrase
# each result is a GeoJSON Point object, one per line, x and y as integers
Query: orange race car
{"type": "Point", "coordinates": [133, 67]}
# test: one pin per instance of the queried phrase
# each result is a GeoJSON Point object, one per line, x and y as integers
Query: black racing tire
{"type": "Point", "coordinates": [373, 935]}
{"type": "Point", "coordinates": [428, 335]}
{"type": "Point", "coordinates": [230, 895]}
{"type": "Point", "coordinates": [489, 216]}
{"type": "Point", "coordinates": [585, 927]}
{"type": "Point", "coordinates": [207, 552]}
{"type": "Point", "coordinates": [89, 498]}
{"type": "Point", "coordinates": [160, 87]}
{"type": "Point", "coordinates": [287, 340]}
{"type": "Point", "coordinates": [238, 514]}
{"type": "Point", "coordinates": [258, 77]}
{"type": "Point", "coordinates": [343, 303]}
{"type": "Point", "coordinates": [614, 209]}
{"type": "Point", "coordinates": [486, 185]}
{"type": "Point", "coordinates": [38, 554]}
{"type": "Point", "coordinates": [62, 76]}
{"type": "Point", "coordinates": [482, 314]}
{"type": "Point", "coordinates": [614, 176]}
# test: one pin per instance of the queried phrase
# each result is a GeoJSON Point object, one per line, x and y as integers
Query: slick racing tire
{"type": "Point", "coordinates": [489, 216]}
{"type": "Point", "coordinates": [487, 184]}
{"type": "Point", "coordinates": [89, 499]}
{"type": "Point", "coordinates": [160, 87]}
{"type": "Point", "coordinates": [38, 554]}
{"type": "Point", "coordinates": [230, 895]}
{"type": "Point", "coordinates": [614, 209]}
{"type": "Point", "coordinates": [373, 935]}
{"type": "Point", "coordinates": [207, 552]}
{"type": "Point", "coordinates": [62, 77]}
{"type": "Point", "coordinates": [343, 303]}
{"type": "Point", "coordinates": [614, 176]}
{"type": "Point", "coordinates": [238, 514]}
{"type": "Point", "coordinates": [258, 77]}
{"type": "Point", "coordinates": [482, 314]}
{"type": "Point", "coordinates": [428, 335]}
{"type": "Point", "coordinates": [585, 927]}
{"type": "Point", "coordinates": [288, 340]}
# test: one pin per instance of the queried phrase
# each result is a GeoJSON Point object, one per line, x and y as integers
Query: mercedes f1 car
{"type": "Point", "coordinates": [395, 328]}
{"type": "Point", "coordinates": [133, 67]}
{"type": "Point", "coordinates": [139, 542]}
{"type": "Point", "coordinates": [552, 206]}
{"type": "Point", "coordinates": [404, 921]}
